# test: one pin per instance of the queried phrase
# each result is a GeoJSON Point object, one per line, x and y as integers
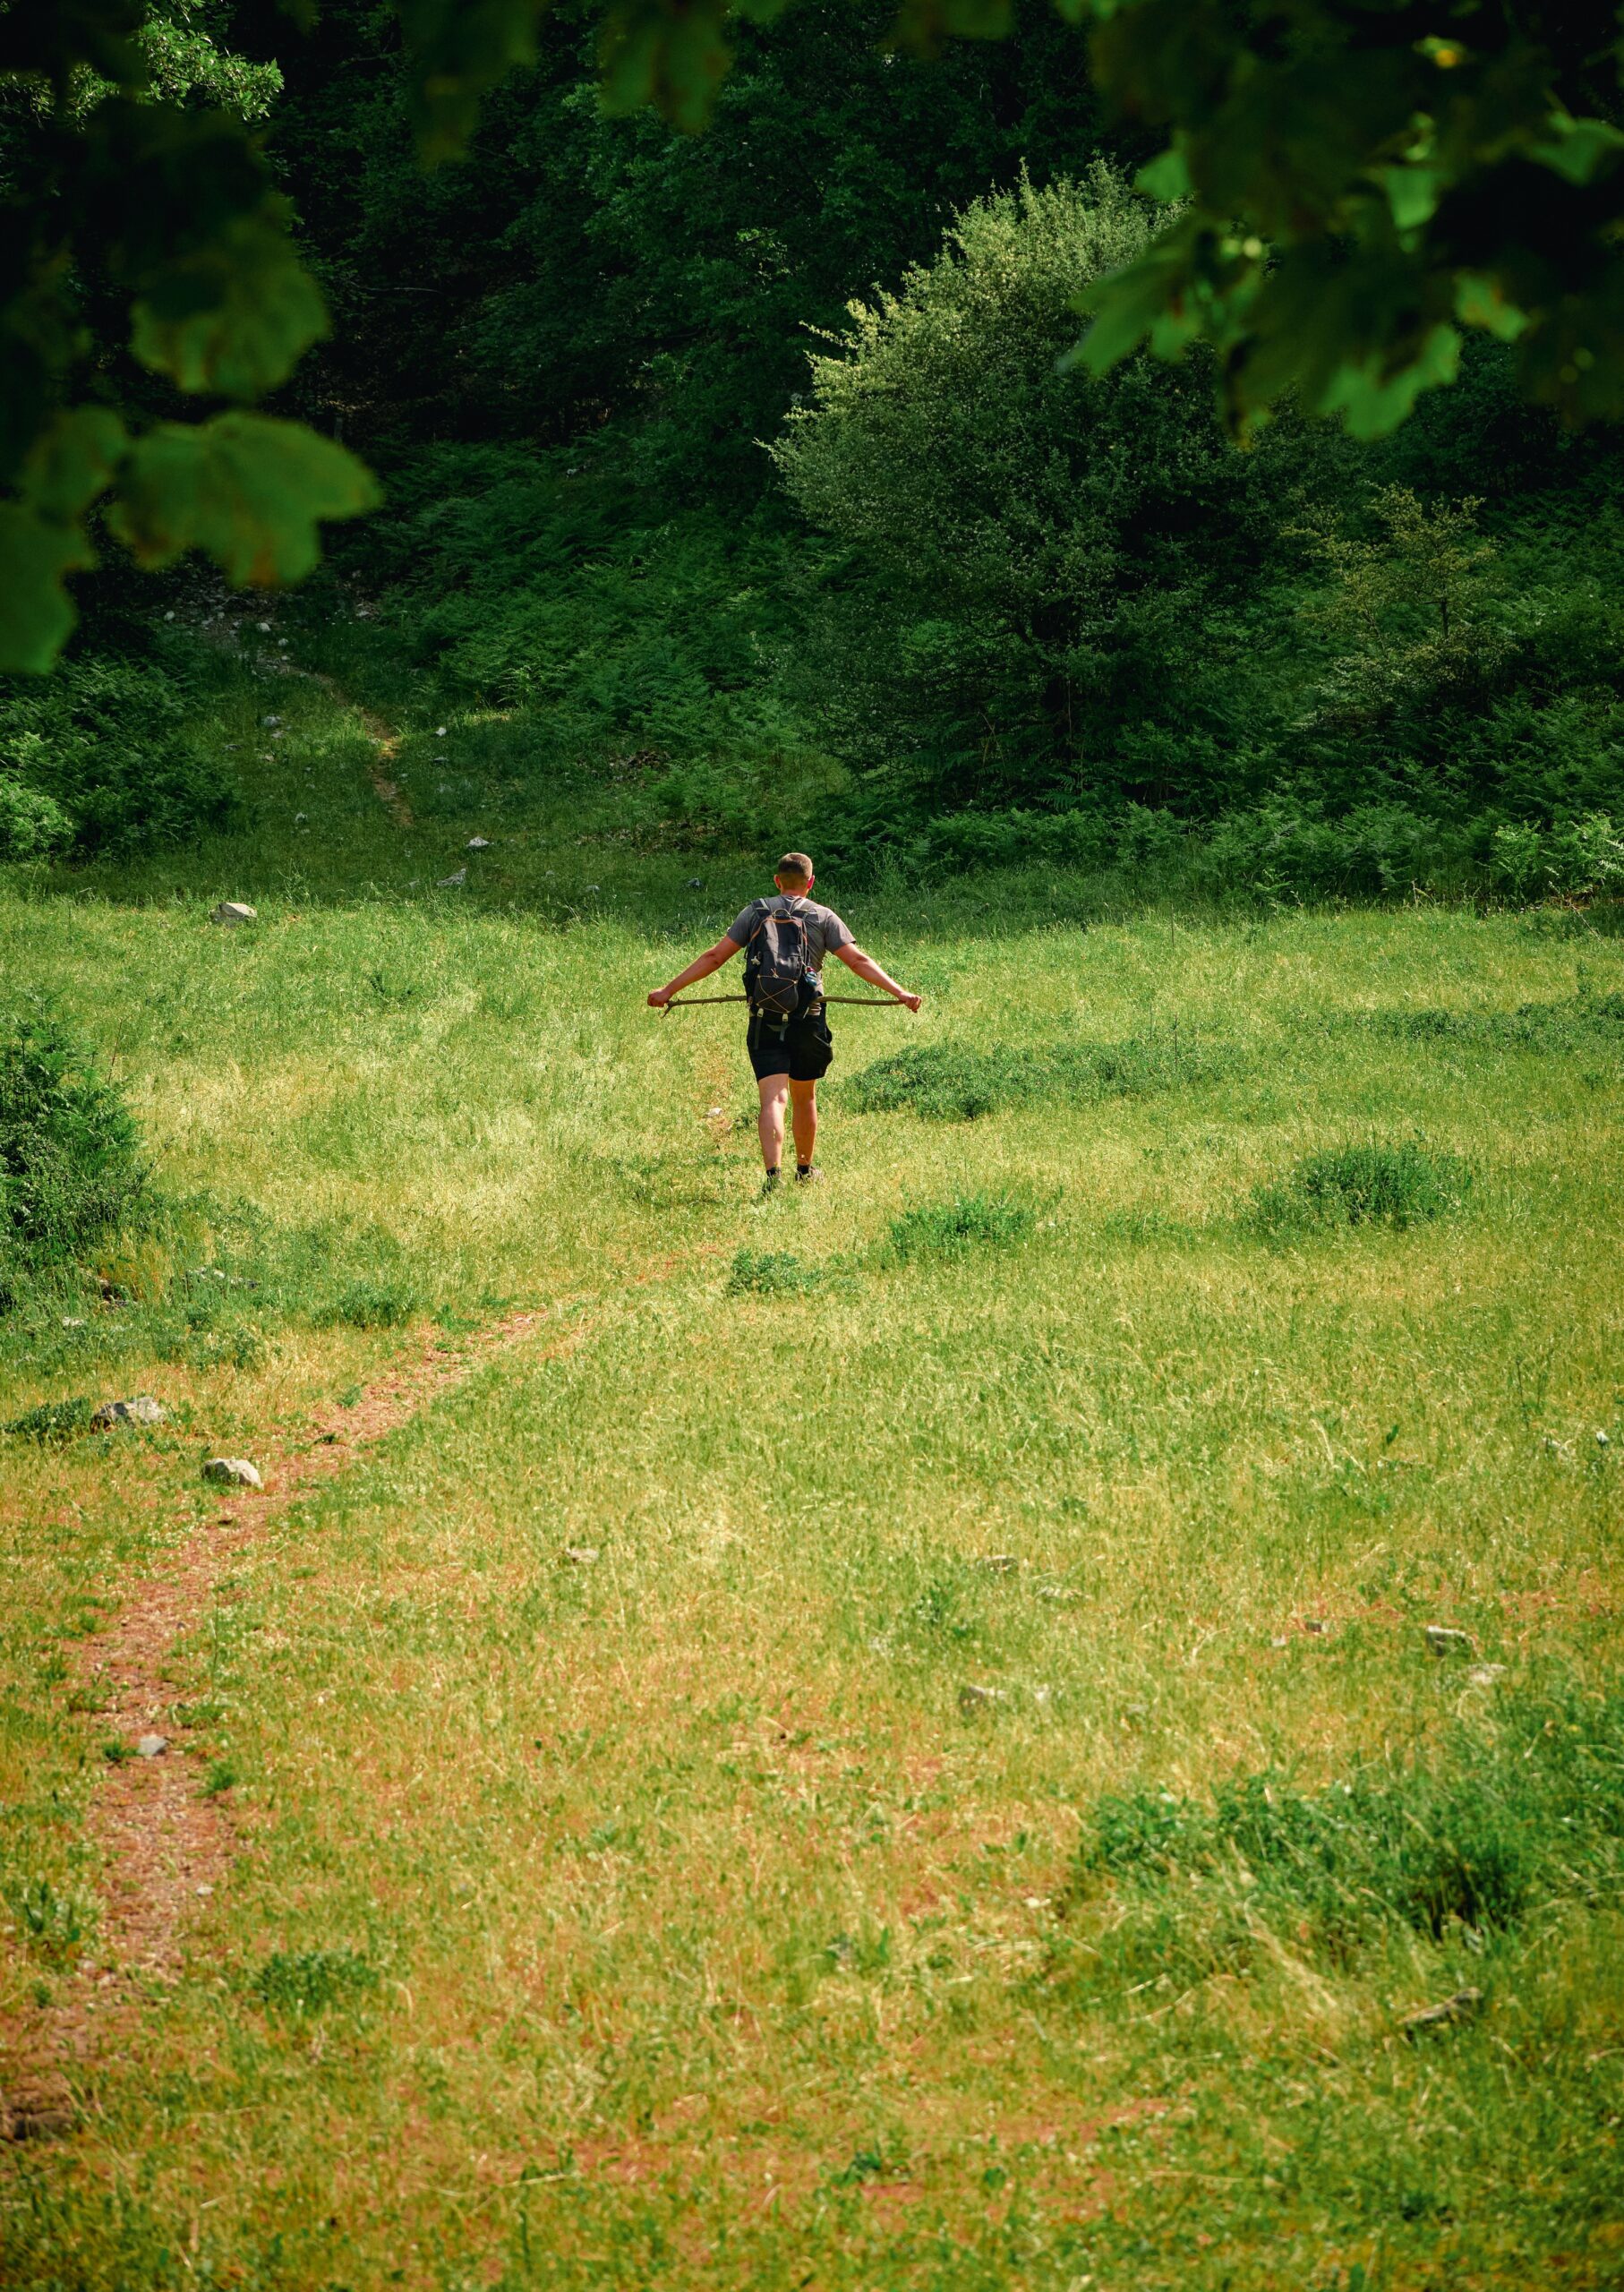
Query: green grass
{"type": "Point", "coordinates": [929, 1847]}
{"type": "Point", "coordinates": [1340, 1186]}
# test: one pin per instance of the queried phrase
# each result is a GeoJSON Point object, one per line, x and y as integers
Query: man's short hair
{"type": "Point", "coordinates": [795, 863]}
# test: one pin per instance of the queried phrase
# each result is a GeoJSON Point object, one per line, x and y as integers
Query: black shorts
{"type": "Point", "coordinates": [802, 1051]}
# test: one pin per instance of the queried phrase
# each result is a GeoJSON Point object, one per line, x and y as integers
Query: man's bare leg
{"type": "Point", "coordinates": [803, 1110]}
{"type": "Point", "coordinates": [770, 1123]}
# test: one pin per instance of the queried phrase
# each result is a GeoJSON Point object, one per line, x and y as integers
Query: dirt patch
{"type": "Point", "coordinates": [386, 747]}
{"type": "Point", "coordinates": [165, 1846]}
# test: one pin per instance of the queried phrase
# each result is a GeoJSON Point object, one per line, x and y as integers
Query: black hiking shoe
{"type": "Point", "coordinates": [769, 1184]}
{"type": "Point", "coordinates": [810, 1174]}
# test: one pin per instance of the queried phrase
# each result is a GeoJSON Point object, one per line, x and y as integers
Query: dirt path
{"type": "Point", "coordinates": [386, 747]}
{"type": "Point", "coordinates": [164, 1844]}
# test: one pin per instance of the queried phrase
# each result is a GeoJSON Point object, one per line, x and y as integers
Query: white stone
{"type": "Point", "coordinates": [446, 882]}
{"type": "Point", "coordinates": [1444, 1641]}
{"type": "Point", "coordinates": [1486, 1674]}
{"type": "Point", "coordinates": [233, 911]}
{"type": "Point", "coordinates": [978, 1698]}
{"type": "Point", "coordinates": [152, 1746]}
{"type": "Point", "coordinates": [479, 843]}
{"type": "Point", "coordinates": [236, 1470]}
{"type": "Point", "coordinates": [142, 1410]}
{"type": "Point", "coordinates": [580, 1555]}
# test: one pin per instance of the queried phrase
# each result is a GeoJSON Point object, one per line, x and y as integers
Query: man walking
{"type": "Point", "coordinates": [785, 939]}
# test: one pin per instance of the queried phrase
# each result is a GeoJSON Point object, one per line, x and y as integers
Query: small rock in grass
{"type": "Point", "coordinates": [1316, 1624]}
{"type": "Point", "coordinates": [972, 1699]}
{"type": "Point", "coordinates": [270, 720]}
{"type": "Point", "coordinates": [998, 1563]}
{"type": "Point", "coordinates": [1443, 1640]}
{"type": "Point", "coordinates": [439, 732]}
{"type": "Point", "coordinates": [1279, 1640]}
{"type": "Point", "coordinates": [152, 1746]}
{"type": "Point", "coordinates": [1486, 1674]}
{"type": "Point", "coordinates": [300, 819]}
{"type": "Point", "coordinates": [36, 2120]}
{"type": "Point", "coordinates": [264, 628]}
{"type": "Point", "coordinates": [142, 1410]}
{"type": "Point", "coordinates": [695, 883]}
{"type": "Point", "coordinates": [479, 843]}
{"type": "Point", "coordinates": [1464, 2005]}
{"type": "Point", "coordinates": [236, 1471]}
{"type": "Point", "coordinates": [1603, 1441]}
{"type": "Point", "coordinates": [233, 911]}
{"type": "Point", "coordinates": [73, 1321]}
{"type": "Point", "coordinates": [446, 882]}
{"type": "Point", "coordinates": [580, 1555]}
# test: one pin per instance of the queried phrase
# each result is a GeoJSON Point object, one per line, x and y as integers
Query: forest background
{"type": "Point", "coordinates": [737, 482]}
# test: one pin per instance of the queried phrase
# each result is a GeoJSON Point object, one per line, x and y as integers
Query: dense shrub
{"type": "Point", "coordinates": [32, 824]}
{"type": "Point", "coordinates": [1041, 546]}
{"type": "Point", "coordinates": [101, 754]}
{"type": "Point", "coordinates": [70, 1160]}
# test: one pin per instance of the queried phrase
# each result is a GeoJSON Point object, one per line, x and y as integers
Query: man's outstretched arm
{"type": "Point", "coordinates": [867, 968]}
{"type": "Point", "coordinates": [700, 966]}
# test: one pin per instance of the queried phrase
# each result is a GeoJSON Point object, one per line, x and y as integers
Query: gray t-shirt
{"type": "Point", "coordinates": [826, 933]}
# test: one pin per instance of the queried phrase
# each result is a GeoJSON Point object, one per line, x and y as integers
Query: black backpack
{"type": "Point", "coordinates": [778, 965]}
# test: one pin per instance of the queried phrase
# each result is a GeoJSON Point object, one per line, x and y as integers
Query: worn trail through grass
{"type": "Point", "coordinates": [162, 1838]}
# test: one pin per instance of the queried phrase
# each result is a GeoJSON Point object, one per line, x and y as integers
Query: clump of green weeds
{"type": "Point", "coordinates": [55, 1921]}
{"type": "Point", "coordinates": [948, 1229]}
{"type": "Point", "coordinates": [1470, 1841]}
{"type": "Point", "coordinates": [772, 1273]}
{"type": "Point", "coordinates": [301, 1982]}
{"type": "Point", "coordinates": [1573, 1023]}
{"type": "Point", "coordinates": [369, 1305]}
{"type": "Point", "coordinates": [53, 1420]}
{"type": "Point", "coordinates": [955, 1081]}
{"type": "Point", "coordinates": [71, 1167]}
{"type": "Point", "coordinates": [1342, 1186]}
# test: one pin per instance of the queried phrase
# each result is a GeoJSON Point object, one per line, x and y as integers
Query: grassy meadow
{"type": "Point", "coordinates": [985, 1810]}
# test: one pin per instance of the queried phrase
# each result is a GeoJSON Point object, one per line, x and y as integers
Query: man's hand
{"type": "Point", "coordinates": [912, 1001]}
{"type": "Point", "coordinates": [659, 999]}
